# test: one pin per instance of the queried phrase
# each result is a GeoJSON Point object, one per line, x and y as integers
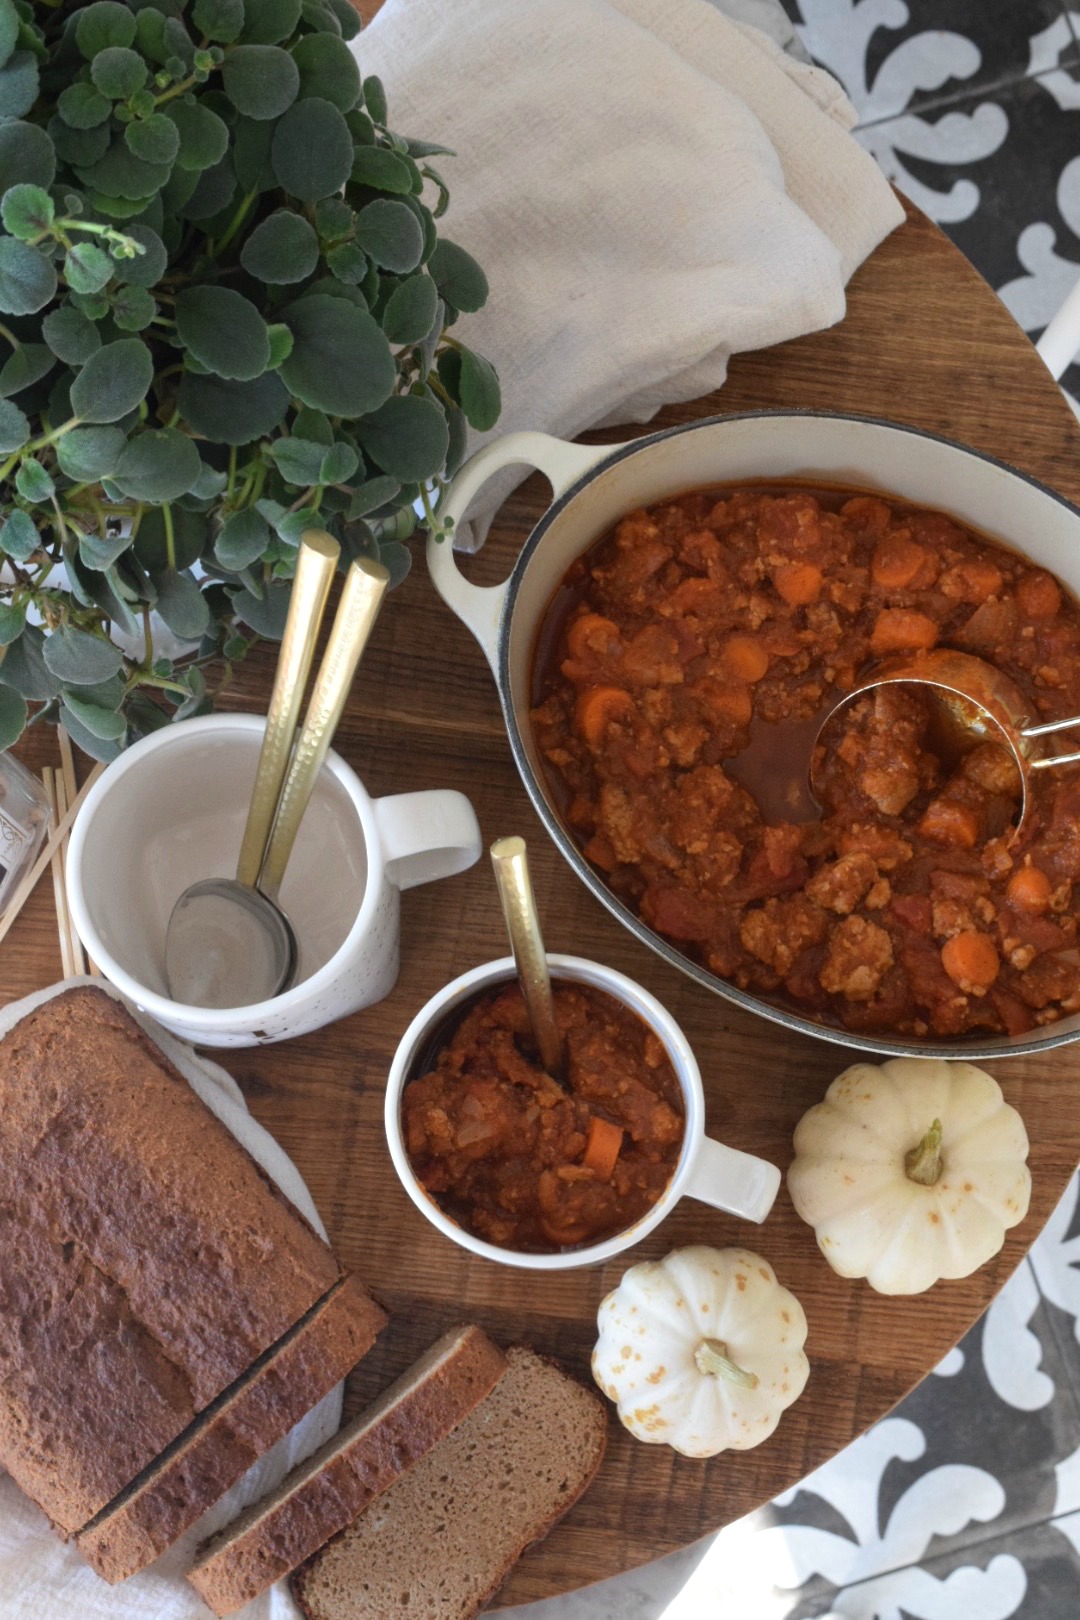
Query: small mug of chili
{"type": "Point", "coordinates": [606, 1159]}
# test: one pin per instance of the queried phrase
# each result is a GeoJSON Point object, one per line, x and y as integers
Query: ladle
{"type": "Point", "coordinates": [974, 703]}
{"type": "Point", "coordinates": [511, 864]}
{"type": "Point", "coordinates": [229, 944]}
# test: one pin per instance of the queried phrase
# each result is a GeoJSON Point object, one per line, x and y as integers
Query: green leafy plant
{"type": "Point", "coordinates": [226, 315]}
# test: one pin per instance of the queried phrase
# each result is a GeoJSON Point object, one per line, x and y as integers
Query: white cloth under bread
{"type": "Point", "coordinates": [649, 185]}
{"type": "Point", "coordinates": [41, 1578]}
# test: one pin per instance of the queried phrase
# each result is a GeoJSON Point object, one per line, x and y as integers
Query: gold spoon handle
{"type": "Point", "coordinates": [509, 858]}
{"type": "Point", "coordinates": [315, 567]}
{"type": "Point", "coordinates": [361, 596]}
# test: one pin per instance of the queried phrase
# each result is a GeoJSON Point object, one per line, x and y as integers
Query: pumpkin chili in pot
{"type": "Point", "coordinates": [682, 674]}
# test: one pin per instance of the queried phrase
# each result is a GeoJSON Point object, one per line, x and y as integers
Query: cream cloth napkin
{"type": "Point", "coordinates": [41, 1578]}
{"type": "Point", "coordinates": [650, 186]}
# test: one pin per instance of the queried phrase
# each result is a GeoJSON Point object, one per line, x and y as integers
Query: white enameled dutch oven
{"type": "Point", "coordinates": [593, 486]}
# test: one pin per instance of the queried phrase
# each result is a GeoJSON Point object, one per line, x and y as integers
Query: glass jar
{"type": "Point", "coordinates": [24, 823]}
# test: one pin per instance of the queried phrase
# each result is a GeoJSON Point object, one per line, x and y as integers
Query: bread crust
{"type": "Point", "coordinates": [145, 1259]}
{"type": "Point", "coordinates": [376, 1449]}
{"type": "Point", "coordinates": [234, 1433]}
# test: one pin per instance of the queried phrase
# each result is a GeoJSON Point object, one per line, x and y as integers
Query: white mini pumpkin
{"type": "Point", "coordinates": [910, 1171]}
{"type": "Point", "coordinates": [702, 1350]}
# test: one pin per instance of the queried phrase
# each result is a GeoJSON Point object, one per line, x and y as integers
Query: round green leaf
{"type": "Point", "coordinates": [158, 465]}
{"type": "Point", "coordinates": [204, 137]}
{"type": "Point", "coordinates": [266, 616]}
{"type": "Point", "coordinates": [12, 622]}
{"type": "Point", "coordinates": [113, 381]}
{"type": "Point", "coordinates": [18, 535]}
{"type": "Point", "coordinates": [327, 69]}
{"type": "Point", "coordinates": [243, 539]}
{"type": "Point", "coordinates": [155, 139]}
{"type": "Point", "coordinates": [299, 461]}
{"type": "Point", "coordinates": [268, 22]}
{"type": "Point", "coordinates": [251, 143]}
{"type": "Point", "coordinates": [23, 668]}
{"type": "Point", "coordinates": [27, 155]}
{"type": "Point", "coordinates": [13, 715]}
{"type": "Point", "coordinates": [340, 363]}
{"type": "Point", "coordinates": [104, 24]}
{"type": "Point", "coordinates": [478, 391]}
{"type": "Point", "coordinates": [24, 367]}
{"type": "Point", "coordinates": [261, 81]}
{"type": "Point", "coordinates": [377, 166]}
{"type": "Point", "coordinates": [101, 722]}
{"type": "Point", "coordinates": [89, 454]}
{"type": "Point", "coordinates": [70, 335]}
{"type": "Point", "coordinates": [133, 309]}
{"type": "Point", "coordinates": [407, 436]}
{"type": "Point", "coordinates": [27, 278]}
{"type": "Point", "coordinates": [347, 263]}
{"type": "Point", "coordinates": [78, 146]}
{"type": "Point", "coordinates": [148, 267]}
{"type": "Point", "coordinates": [182, 605]}
{"type": "Point", "coordinates": [82, 106]}
{"type": "Point", "coordinates": [233, 412]}
{"type": "Point", "coordinates": [84, 738]}
{"type": "Point", "coordinates": [224, 331]}
{"type": "Point", "coordinates": [283, 249]}
{"type": "Point", "coordinates": [9, 29]}
{"type": "Point", "coordinates": [87, 268]}
{"type": "Point", "coordinates": [220, 20]}
{"type": "Point", "coordinates": [375, 98]}
{"type": "Point", "coordinates": [339, 464]}
{"type": "Point", "coordinates": [33, 482]}
{"type": "Point", "coordinates": [100, 552]}
{"type": "Point", "coordinates": [458, 277]}
{"type": "Point", "coordinates": [390, 233]}
{"type": "Point", "coordinates": [79, 659]}
{"type": "Point", "coordinates": [213, 193]}
{"type": "Point", "coordinates": [14, 428]}
{"type": "Point", "coordinates": [123, 175]}
{"type": "Point", "coordinates": [347, 18]}
{"type": "Point", "coordinates": [27, 211]}
{"type": "Point", "coordinates": [410, 310]}
{"type": "Point", "coordinates": [189, 536]}
{"type": "Point", "coordinates": [118, 72]}
{"type": "Point", "coordinates": [19, 84]}
{"type": "Point", "coordinates": [312, 151]}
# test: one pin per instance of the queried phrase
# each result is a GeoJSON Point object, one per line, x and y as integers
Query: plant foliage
{"type": "Point", "coordinates": [225, 315]}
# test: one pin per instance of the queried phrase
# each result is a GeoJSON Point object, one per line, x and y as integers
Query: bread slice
{"type": "Point", "coordinates": [321, 1496]}
{"type": "Point", "coordinates": [233, 1433]}
{"type": "Point", "coordinates": [442, 1540]}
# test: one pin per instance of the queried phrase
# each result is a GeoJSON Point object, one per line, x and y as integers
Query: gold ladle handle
{"type": "Point", "coordinates": [315, 567]}
{"type": "Point", "coordinates": [511, 864]}
{"type": "Point", "coordinates": [361, 596]}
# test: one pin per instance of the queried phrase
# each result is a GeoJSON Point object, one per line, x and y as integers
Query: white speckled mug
{"type": "Point", "coordinates": [171, 810]}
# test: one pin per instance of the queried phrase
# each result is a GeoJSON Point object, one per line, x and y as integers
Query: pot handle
{"type": "Point", "coordinates": [480, 606]}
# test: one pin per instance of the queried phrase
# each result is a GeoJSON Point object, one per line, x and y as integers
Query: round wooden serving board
{"type": "Point", "coordinates": [925, 342]}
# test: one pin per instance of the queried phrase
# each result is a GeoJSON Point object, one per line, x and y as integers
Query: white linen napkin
{"type": "Point", "coordinates": [649, 185]}
{"type": "Point", "coordinates": [42, 1578]}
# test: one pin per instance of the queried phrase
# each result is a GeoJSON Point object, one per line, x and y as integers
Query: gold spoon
{"type": "Point", "coordinates": [229, 944]}
{"type": "Point", "coordinates": [510, 861]}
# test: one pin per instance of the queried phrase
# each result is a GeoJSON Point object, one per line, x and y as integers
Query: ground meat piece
{"type": "Point", "coordinates": [859, 954]}
{"type": "Point", "coordinates": [959, 903]}
{"type": "Point", "coordinates": [840, 886]}
{"type": "Point", "coordinates": [1050, 979]}
{"type": "Point", "coordinates": [993, 767]}
{"type": "Point", "coordinates": [887, 846]}
{"type": "Point", "coordinates": [777, 931]}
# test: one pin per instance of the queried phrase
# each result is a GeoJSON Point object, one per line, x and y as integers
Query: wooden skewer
{"type": "Point", "coordinates": [52, 783]}
{"type": "Point", "coordinates": [56, 837]}
{"type": "Point", "coordinates": [83, 962]}
{"type": "Point", "coordinates": [78, 959]}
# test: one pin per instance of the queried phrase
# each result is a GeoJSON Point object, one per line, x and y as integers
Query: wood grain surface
{"type": "Point", "coordinates": [926, 342]}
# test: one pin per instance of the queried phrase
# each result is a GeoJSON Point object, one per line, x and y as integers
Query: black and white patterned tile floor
{"type": "Point", "coordinates": [964, 1504]}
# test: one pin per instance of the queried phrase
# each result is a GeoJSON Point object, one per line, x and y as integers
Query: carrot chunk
{"type": "Point", "coordinates": [902, 630]}
{"type": "Point", "coordinates": [599, 707]}
{"type": "Point", "coordinates": [745, 658]}
{"type": "Point", "coordinates": [602, 1147]}
{"type": "Point", "coordinates": [592, 636]}
{"type": "Point", "coordinates": [944, 821]}
{"type": "Point", "coordinates": [897, 562]}
{"type": "Point", "coordinates": [971, 961]}
{"type": "Point", "coordinates": [797, 583]}
{"type": "Point", "coordinates": [1029, 889]}
{"type": "Point", "coordinates": [1038, 595]}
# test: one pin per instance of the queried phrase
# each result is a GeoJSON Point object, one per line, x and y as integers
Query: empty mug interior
{"type": "Point", "coordinates": [177, 815]}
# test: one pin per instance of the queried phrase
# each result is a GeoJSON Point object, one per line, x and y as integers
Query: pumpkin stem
{"type": "Point", "coordinates": [923, 1163]}
{"type": "Point", "coordinates": [711, 1357]}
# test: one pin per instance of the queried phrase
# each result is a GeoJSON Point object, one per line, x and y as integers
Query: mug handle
{"type": "Point", "coordinates": [728, 1179]}
{"type": "Point", "coordinates": [426, 836]}
{"type": "Point", "coordinates": [562, 463]}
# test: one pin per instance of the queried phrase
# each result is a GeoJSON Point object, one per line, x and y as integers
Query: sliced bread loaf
{"type": "Point", "coordinates": [442, 1540]}
{"type": "Point", "coordinates": [321, 1496]}
{"type": "Point", "coordinates": [233, 1433]}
